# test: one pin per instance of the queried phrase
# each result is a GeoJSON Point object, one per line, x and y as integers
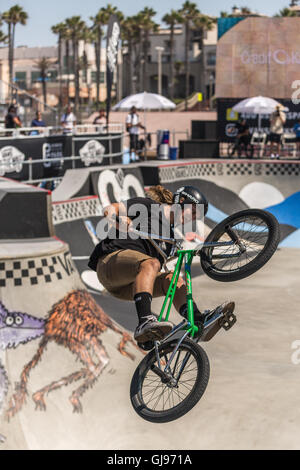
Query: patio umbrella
{"type": "Point", "coordinates": [258, 105]}
{"type": "Point", "coordinates": [144, 101]}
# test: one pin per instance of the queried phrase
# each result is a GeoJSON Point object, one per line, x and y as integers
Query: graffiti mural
{"type": "Point", "coordinates": [16, 328]}
{"type": "Point", "coordinates": [76, 322]}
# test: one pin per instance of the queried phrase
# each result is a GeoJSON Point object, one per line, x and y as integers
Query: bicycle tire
{"type": "Point", "coordinates": [251, 267]}
{"type": "Point", "coordinates": [176, 412]}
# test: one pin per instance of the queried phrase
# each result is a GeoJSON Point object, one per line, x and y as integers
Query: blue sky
{"type": "Point", "coordinates": [44, 13]}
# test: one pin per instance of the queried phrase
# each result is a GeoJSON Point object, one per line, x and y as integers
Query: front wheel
{"type": "Point", "coordinates": [240, 245]}
{"type": "Point", "coordinates": [161, 399]}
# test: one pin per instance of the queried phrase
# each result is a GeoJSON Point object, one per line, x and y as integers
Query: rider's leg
{"type": "Point", "coordinates": [180, 300]}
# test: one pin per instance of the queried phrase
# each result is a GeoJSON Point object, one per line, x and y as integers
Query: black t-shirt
{"type": "Point", "coordinates": [242, 128]}
{"type": "Point", "coordinates": [9, 121]}
{"type": "Point", "coordinates": [154, 220]}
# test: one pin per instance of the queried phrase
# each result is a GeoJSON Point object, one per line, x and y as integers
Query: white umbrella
{"type": "Point", "coordinates": [145, 101]}
{"type": "Point", "coordinates": [258, 105]}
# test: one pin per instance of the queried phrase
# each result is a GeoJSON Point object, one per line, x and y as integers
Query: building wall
{"type": "Point", "coordinates": [201, 80]}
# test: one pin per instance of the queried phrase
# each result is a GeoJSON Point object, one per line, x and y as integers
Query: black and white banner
{"type": "Point", "coordinates": [113, 37]}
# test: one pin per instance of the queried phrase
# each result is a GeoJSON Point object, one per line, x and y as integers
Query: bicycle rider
{"type": "Point", "coordinates": [131, 269]}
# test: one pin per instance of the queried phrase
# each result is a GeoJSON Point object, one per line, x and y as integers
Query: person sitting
{"type": "Point", "coordinates": [38, 120]}
{"type": "Point", "coordinates": [296, 130]}
{"type": "Point", "coordinates": [100, 120]}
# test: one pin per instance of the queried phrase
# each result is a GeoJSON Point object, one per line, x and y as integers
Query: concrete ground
{"type": "Point", "coordinates": [251, 401]}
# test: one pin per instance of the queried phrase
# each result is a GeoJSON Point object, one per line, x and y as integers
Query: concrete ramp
{"type": "Point", "coordinates": [53, 351]}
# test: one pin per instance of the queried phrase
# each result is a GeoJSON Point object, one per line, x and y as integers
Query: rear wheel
{"type": "Point", "coordinates": [250, 239]}
{"type": "Point", "coordinates": [160, 399]}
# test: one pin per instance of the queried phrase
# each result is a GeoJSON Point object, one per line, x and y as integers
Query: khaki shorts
{"type": "Point", "coordinates": [117, 272]}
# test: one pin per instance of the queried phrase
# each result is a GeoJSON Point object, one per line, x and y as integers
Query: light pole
{"type": "Point", "coordinates": [159, 53]}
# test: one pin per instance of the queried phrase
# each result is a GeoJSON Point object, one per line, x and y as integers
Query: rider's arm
{"type": "Point", "coordinates": [115, 215]}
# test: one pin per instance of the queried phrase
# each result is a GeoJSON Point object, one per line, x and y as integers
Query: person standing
{"type": "Point", "coordinates": [133, 126]}
{"type": "Point", "coordinates": [68, 120]}
{"type": "Point", "coordinates": [12, 120]}
{"type": "Point", "coordinates": [277, 121]}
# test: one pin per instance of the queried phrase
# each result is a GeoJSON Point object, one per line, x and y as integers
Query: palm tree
{"type": "Point", "coordinates": [286, 12]}
{"type": "Point", "coordinates": [130, 33]}
{"type": "Point", "coordinates": [43, 65]}
{"type": "Point", "coordinates": [189, 13]}
{"type": "Point", "coordinates": [99, 22]}
{"type": "Point", "coordinates": [147, 26]}
{"type": "Point", "coordinates": [76, 27]}
{"type": "Point", "coordinates": [172, 19]}
{"type": "Point", "coordinates": [15, 15]}
{"type": "Point", "coordinates": [60, 30]}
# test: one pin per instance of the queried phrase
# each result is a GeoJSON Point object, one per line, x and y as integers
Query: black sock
{"type": "Point", "coordinates": [143, 305]}
{"type": "Point", "coordinates": [184, 312]}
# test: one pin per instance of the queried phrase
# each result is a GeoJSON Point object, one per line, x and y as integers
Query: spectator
{"type": "Point", "coordinates": [296, 129]}
{"type": "Point", "coordinates": [277, 121]}
{"type": "Point", "coordinates": [38, 121]}
{"type": "Point", "coordinates": [100, 120]}
{"type": "Point", "coordinates": [12, 120]}
{"type": "Point", "coordinates": [244, 136]}
{"type": "Point", "coordinates": [133, 126]}
{"type": "Point", "coordinates": [68, 120]}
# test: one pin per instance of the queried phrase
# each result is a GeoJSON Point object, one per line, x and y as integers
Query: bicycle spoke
{"type": "Point", "coordinates": [158, 396]}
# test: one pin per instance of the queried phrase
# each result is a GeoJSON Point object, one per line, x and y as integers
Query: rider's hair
{"type": "Point", "coordinates": [160, 194]}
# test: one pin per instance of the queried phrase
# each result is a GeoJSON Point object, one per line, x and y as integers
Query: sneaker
{"type": "Point", "coordinates": [152, 330]}
{"type": "Point", "coordinates": [211, 323]}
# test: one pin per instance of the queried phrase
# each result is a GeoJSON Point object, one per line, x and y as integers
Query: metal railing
{"type": "Point", "coordinates": [85, 129]}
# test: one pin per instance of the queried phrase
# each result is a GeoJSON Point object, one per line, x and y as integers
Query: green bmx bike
{"type": "Point", "coordinates": [173, 377]}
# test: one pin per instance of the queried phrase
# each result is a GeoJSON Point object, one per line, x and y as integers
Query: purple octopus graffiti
{"type": "Point", "coordinates": [15, 328]}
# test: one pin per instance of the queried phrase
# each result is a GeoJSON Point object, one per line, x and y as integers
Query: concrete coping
{"type": "Point", "coordinates": [18, 249]}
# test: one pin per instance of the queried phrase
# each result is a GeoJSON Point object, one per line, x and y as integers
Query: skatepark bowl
{"type": "Point", "coordinates": [66, 350]}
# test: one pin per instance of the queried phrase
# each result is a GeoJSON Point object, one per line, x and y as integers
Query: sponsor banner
{"type": "Point", "coordinates": [113, 37]}
{"type": "Point", "coordinates": [115, 185]}
{"type": "Point", "coordinates": [15, 152]}
{"type": "Point", "coordinates": [93, 149]}
{"type": "Point", "coordinates": [227, 118]}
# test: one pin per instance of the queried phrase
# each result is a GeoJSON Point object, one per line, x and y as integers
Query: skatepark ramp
{"type": "Point", "coordinates": [25, 211]}
{"type": "Point", "coordinates": [55, 338]}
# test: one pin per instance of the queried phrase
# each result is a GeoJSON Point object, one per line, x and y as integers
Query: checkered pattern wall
{"type": "Point", "coordinates": [77, 209]}
{"type": "Point", "coordinates": [170, 174]}
{"type": "Point", "coordinates": [34, 271]}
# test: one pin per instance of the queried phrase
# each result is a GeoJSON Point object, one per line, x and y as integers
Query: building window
{"type": "Point", "coordinates": [20, 80]}
{"type": "Point", "coordinates": [35, 76]}
{"type": "Point", "coordinates": [211, 59]}
{"type": "Point", "coordinates": [94, 77]}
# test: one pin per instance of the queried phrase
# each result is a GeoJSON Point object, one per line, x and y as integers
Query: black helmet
{"type": "Point", "coordinates": [190, 195]}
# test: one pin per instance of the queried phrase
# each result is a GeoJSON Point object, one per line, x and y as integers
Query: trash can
{"type": "Point", "coordinates": [163, 143]}
{"type": "Point", "coordinates": [173, 153]}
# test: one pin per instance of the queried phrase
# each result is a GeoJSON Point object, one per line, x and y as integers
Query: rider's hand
{"type": "Point", "coordinates": [124, 224]}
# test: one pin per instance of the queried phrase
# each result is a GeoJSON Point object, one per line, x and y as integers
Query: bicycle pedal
{"type": "Point", "coordinates": [228, 321]}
